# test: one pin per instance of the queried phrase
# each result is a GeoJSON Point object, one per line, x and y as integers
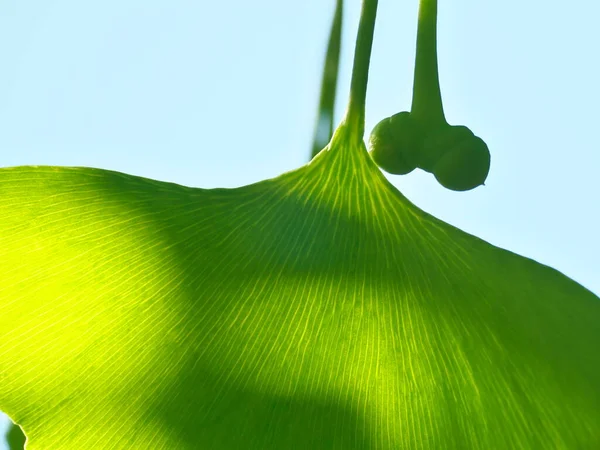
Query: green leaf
{"type": "Point", "coordinates": [317, 310]}
{"type": "Point", "coordinates": [15, 438]}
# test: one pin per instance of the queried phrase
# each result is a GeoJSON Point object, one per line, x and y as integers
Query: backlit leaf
{"type": "Point", "coordinates": [317, 310]}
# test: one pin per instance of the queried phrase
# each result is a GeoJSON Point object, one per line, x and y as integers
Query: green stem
{"type": "Point", "coordinates": [427, 97]}
{"type": "Point", "coordinates": [324, 126]}
{"type": "Point", "coordinates": [355, 115]}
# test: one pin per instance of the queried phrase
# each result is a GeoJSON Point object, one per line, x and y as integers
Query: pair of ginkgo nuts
{"type": "Point", "coordinates": [458, 159]}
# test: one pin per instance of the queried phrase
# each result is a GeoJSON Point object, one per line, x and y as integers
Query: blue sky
{"type": "Point", "coordinates": [214, 94]}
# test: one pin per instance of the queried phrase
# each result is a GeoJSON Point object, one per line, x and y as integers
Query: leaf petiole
{"type": "Point", "coordinates": [355, 114]}
{"type": "Point", "coordinates": [325, 116]}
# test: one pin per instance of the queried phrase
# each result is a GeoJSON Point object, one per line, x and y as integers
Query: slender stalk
{"type": "Point", "coordinates": [325, 116]}
{"type": "Point", "coordinates": [427, 97]}
{"type": "Point", "coordinates": [355, 115]}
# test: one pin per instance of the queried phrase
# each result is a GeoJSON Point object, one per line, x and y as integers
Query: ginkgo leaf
{"type": "Point", "coordinates": [317, 310]}
{"type": "Point", "coordinates": [15, 438]}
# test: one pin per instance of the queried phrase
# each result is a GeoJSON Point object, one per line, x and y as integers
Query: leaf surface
{"type": "Point", "coordinates": [317, 310]}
